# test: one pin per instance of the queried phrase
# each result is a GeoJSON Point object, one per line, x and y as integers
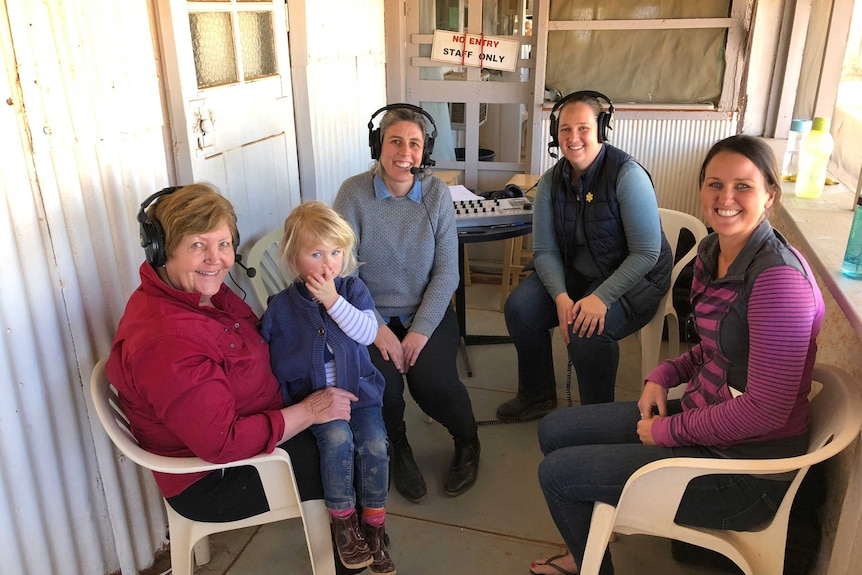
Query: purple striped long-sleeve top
{"type": "Point", "coordinates": [758, 327]}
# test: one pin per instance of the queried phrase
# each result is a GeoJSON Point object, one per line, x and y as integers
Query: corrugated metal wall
{"type": "Point", "coordinates": [346, 84]}
{"type": "Point", "coordinates": [671, 149]}
{"type": "Point", "coordinates": [81, 138]}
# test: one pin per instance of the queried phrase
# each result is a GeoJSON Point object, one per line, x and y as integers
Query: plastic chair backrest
{"type": "Point", "coordinates": [116, 424]}
{"type": "Point", "coordinates": [672, 223]}
{"type": "Point", "coordinates": [272, 276]}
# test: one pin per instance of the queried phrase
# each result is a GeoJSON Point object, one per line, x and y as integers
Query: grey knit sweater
{"type": "Point", "coordinates": [408, 251]}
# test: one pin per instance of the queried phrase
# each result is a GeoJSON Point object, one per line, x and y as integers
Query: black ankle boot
{"type": "Point", "coordinates": [464, 468]}
{"type": "Point", "coordinates": [521, 409]}
{"type": "Point", "coordinates": [404, 472]}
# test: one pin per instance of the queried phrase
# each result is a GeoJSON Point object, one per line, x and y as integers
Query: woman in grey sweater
{"type": "Point", "coordinates": [407, 243]}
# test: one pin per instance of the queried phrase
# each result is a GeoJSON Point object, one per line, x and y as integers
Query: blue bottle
{"type": "Point", "coordinates": [852, 266]}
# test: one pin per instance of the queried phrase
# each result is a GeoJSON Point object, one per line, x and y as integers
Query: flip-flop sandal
{"type": "Point", "coordinates": [549, 562]}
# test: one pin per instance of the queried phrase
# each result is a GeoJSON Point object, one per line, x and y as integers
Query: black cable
{"type": "Point", "coordinates": [239, 287]}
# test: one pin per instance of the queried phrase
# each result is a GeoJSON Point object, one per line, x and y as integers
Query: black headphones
{"type": "Point", "coordinates": [604, 119]}
{"type": "Point", "coordinates": [375, 137]}
{"type": "Point", "coordinates": [510, 191]}
{"type": "Point", "coordinates": [153, 234]}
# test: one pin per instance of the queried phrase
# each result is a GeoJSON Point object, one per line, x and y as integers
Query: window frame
{"type": "Point", "coordinates": [736, 25]}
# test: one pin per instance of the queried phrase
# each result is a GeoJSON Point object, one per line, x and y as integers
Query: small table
{"type": "Point", "coordinates": [470, 236]}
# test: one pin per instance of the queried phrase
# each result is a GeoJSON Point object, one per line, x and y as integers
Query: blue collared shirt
{"type": "Point", "coordinates": [381, 192]}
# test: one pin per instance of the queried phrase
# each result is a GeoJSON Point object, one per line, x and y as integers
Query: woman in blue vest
{"type": "Point", "coordinates": [602, 261]}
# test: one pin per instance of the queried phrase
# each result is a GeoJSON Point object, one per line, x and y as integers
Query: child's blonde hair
{"type": "Point", "coordinates": [317, 221]}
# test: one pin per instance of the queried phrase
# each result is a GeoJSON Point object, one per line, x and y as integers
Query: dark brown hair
{"type": "Point", "coordinates": [755, 150]}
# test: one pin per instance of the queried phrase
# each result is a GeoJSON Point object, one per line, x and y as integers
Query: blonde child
{"type": "Point", "coordinates": [318, 329]}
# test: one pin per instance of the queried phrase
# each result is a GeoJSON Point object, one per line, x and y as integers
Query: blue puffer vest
{"type": "Point", "coordinates": [603, 229]}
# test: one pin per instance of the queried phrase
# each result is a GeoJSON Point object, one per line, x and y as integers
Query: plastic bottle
{"type": "Point", "coordinates": [852, 266]}
{"type": "Point", "coordinates": [813, 159]}
{"type": "Point", "coordinates": [798, 129]}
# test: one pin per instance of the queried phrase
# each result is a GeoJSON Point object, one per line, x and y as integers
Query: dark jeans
{"type": "Point", "coordinates": [237, 492]}
{"type": "Point", "coordinates": [590, 453]}
{"type": "Point", "coordinates": [354, 459]}
{"type": "Point", "coordinates": [531, 313]}
{"type": "Point", "coordinates": [433, 382]}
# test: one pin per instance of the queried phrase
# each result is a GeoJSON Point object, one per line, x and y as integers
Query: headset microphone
{"type": "Point", "coordinates": [427, 163]}
{"type": "Point", "coordinates": [250, 272]}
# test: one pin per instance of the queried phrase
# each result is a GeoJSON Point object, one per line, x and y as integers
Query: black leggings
{"type": "Point", "coordinates": [433, 382]}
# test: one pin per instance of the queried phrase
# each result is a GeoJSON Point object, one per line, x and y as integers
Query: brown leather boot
{"type": "Point", "coordinates": [350, 543]}
{"type": "Point", "coordinates": [374, 535]}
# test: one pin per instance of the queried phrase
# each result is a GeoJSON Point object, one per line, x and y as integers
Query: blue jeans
{"type": "Point", "coordinates": [359, 446]}
{"type": "Point", "coordinates": [531, 313]}
{"type": "Point", "coordinates": [590, 453]}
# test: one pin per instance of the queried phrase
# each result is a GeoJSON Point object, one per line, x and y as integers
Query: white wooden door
{"type": "Point", "coordinates": [228, 87]}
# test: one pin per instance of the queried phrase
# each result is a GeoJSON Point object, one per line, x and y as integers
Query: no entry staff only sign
{"type": "Point", "coordinates": [474, 50]}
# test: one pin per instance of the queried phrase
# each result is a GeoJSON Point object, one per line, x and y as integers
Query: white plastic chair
{"type": "Point", "coordinates": [190, 537]}
{"type": "Point", "coordinates": [652, 495]}
{"type": "Point", "coordinates": [271, 276]}
{"type": "Point", "coordinates": [672, 222]}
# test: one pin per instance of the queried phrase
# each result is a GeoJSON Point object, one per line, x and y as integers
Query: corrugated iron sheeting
{"type": "Point", "coordinates": [81, 142]}
{"type": "Point", "coordinates": [347, 82]}
{"type": "Point", "coordinates": [340, 124]}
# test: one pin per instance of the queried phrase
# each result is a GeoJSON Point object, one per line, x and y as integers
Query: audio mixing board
{"type": "Point", "coordinates": [506, 211]}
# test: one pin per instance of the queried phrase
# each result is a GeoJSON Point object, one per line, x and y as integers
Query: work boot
{"type": "Point", "coordinates": [375, 535]}
{"type": "Point", "coordinates": [520, 409]}
{"type": "Point", "coordinates": [405, 473]}
{"type": "Point", "coordinates": [350, 542]}
{"type": "Point", "coordinates": [464, 468]}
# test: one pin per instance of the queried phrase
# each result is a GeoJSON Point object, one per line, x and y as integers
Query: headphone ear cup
{"type": "Point", "coordinates": [600, 121]}
{"type": "Point", "coordinates": [605, 119]}
{"type": "Point", "coordinates": [553, 143]}
{"type": "Point", "coordinates": [374, 143]}
{"type": "Point", "coordinates": [427, 150]}
{"type": "Point", "coordinates": [153, 242]}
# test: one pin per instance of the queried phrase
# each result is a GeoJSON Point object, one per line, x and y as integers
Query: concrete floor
{"type": "Point", "coordinates": [501, 524]}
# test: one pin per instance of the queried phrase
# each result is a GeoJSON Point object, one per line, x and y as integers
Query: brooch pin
{"type": "Point", "coordinates": [589, 197]}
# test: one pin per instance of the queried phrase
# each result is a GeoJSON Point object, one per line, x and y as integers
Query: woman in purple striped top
{"type": "Point", "coordinates": [746, 381]}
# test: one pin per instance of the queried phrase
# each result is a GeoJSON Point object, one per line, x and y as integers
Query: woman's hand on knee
{"type": "Point", "coordinates": [653, 399]}
{"type": "Point", "coordinates": [390, 347]}
{"type": "Point", "coordinates": [589, 314]}
{"type": "Point", "coordinates": [413, 344]}
{"type": "Point", "coordinates": [565, 314]}
{"type": "Point", "coordinates": [645, 429]}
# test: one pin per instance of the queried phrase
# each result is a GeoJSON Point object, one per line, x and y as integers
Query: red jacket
{"type": "Point", "coordinates": [194, 380]}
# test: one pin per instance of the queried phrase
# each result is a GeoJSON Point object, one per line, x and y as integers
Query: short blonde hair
{"type": "Point", "coordinates": [193, 209]}
{"type": "Point", "coordinates": [317, 221]}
